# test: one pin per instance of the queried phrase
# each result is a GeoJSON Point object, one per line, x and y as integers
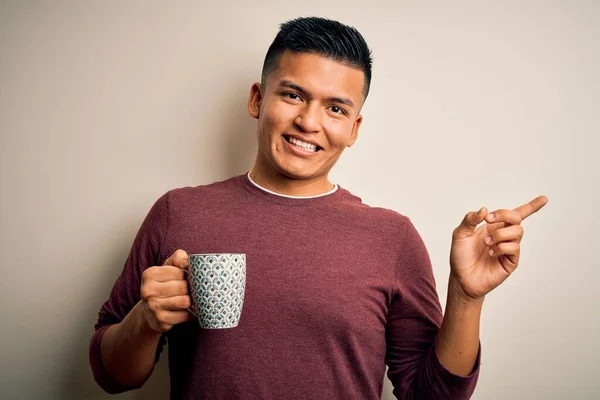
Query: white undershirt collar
{"type": "Point", "coordinates": [335, 187]}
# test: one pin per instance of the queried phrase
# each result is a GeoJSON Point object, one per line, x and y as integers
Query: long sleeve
{"type": "Point", "coordinates": [145, 252]}
{"type": "Point", "coordinates": [414, 319]}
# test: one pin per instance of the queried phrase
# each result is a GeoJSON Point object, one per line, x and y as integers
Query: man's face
{"type": "Point", "coordinates": [308, 113]}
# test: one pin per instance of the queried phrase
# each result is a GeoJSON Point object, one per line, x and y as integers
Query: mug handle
{"type": "Point", "coordinates": [191, 309]}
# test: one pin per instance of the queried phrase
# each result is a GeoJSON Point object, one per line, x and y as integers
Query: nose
{"type": "Point", "coordinates": [308, 120]}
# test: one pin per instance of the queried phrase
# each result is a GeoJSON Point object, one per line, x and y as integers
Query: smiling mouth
{"type": "Point", "coordinates": [302, 145]}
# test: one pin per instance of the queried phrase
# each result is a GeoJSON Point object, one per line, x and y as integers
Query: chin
{"type": "Point", "coordinates": [303, 174]}
{"type": "Point", "coordinates": [293, 173]}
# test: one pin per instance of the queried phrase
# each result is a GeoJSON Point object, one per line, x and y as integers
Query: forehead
{"type": "Point", "coordinates": [319, 75]}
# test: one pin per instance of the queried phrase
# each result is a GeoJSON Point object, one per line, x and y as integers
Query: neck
{"type": "Point", "coordinates": [279, 183]}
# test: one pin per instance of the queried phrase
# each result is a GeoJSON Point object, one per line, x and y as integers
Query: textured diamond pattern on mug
{"type": "Point", "coordinates": [218, 285]}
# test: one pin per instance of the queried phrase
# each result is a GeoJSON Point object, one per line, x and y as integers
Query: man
{"type": "Point", "coordinates": [335, 289]}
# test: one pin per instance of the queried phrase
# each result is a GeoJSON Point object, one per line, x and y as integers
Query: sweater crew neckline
{"type": "Point", "coordinates": [254, 189]}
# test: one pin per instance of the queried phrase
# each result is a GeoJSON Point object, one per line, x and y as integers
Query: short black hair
{"type": "Point", "coordinates": [322, 36]}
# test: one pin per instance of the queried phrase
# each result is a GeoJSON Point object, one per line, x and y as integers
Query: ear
{"type": "Point", "coordinates": [254, 100]}
{"type": "Point", "coordinates": [354, 134]}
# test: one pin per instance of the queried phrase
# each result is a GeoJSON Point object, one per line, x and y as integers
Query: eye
{"type": "Point", "coordinates": [292, 96]}
{"type": "Point", "coordinates": [338, 110]}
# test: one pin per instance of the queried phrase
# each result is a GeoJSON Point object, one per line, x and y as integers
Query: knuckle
{"type": "Point", "coordinates": [145, 292]}
{"type": "Point", "coordinates": [149, 273]}
{"type": "Point", "coordinates": [153, 305]}
{"type": "Point", "coordinates": [161, 316]}
{"type": "Point", "coordinates": [457, 232]}
{"type": "Point", "coordinates": [146, 274]}
{"type": "Point", "coordinates": [516, 216]}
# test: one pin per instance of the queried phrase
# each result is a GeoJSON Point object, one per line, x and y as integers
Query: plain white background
{"type": "Point", "coordinates": [105, 105]}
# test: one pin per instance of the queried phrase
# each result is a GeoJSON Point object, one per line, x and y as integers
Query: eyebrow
{"type": "Point", "coordinates": [306, 93]}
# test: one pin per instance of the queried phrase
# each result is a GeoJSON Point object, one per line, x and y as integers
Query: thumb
{"type": "Point", "coordinates": [471, 220]}
{"type": "Point", "coordinates": [178, 259]}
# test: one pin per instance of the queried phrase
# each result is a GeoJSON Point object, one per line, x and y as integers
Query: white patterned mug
{"type": "Point", "coordinates": [217, 284]}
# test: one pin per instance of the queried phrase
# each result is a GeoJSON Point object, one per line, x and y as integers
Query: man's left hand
{"type": "Point", "coordinates": [481, 258]}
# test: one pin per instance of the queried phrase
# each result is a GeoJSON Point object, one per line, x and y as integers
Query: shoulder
{"type": "Point", "coordinates": [386, 221]}
{"type": "Point", "coordinates": [398, 233]}
{"type": "Point", "coordinates": [201, 194]}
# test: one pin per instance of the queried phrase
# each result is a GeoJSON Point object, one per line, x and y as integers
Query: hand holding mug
{"type": "Point", "coordinates": [165, 293]}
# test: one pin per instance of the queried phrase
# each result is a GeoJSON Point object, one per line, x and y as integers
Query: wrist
{"type": "Point", "coordinates": [456, 294]}
{"type": "Point", "coordinates": [141, 317]}
{"type": "Point", "coordinates": [458, 338]}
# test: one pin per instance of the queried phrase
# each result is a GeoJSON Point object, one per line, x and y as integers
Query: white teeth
{"type": "Point", "coordinates": [303, 145]}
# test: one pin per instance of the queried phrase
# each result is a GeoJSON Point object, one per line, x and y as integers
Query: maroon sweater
{"type": "Point", "coordinates": [335, 291]}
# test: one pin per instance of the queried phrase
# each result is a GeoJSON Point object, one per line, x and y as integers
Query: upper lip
{"type": "Point", "coordinates": [303, 139]}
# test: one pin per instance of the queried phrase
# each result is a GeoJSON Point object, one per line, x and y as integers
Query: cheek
{"type": "Point", "coordinates": [277, 115]}
{"type": "Point", "coordinates": [338, 132]}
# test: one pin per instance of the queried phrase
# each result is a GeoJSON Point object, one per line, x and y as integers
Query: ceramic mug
{"type": "Point", "coordinates": [218, 284]}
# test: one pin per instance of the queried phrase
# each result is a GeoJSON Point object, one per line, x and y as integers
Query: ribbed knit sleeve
{"type": "Point", "coordinates": [414, 319]}
{"type": "Point", "coordinates": [145, 252]}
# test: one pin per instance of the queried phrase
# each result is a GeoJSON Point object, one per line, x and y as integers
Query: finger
{"type": "Point", "coordinates": [509, 217]}
{"type": "Point", "coordinates": [165, 273]}
{"type": "Point", "coordinates": [175, 303]}
{"type": "Point", "coordinates": [178, 259]}
{"type": "Point", "coordinates": [174, 317]}
{"type": "Point", "coordinates": [532, 207]}
{"type": "Point", "coordinates": [513, 233]}
{"type": "Point", "coordinates": [168, 289]}
{"type": "Point", "coordinates": [508, 249]}
{"type": "Point", "coordinates": [471, 220]}
{"type": "Point", "coordinates": [189, 316]}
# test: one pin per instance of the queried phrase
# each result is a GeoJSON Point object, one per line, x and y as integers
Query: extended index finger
{"type": "Point", "coordinates": [532, 207]}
